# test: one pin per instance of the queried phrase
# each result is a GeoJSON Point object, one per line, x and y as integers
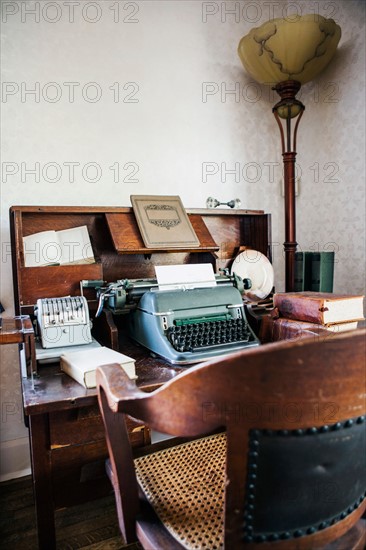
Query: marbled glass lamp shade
{"type": "Point", "coordinates": [296, 48]}
{"type": "Point", "coordinates": [287, 53]}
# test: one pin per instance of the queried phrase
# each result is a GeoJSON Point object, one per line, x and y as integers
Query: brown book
{"type": "Point", "coordinates": [289, 329]}
{"type": "Point", "coordinates": [323, 308]}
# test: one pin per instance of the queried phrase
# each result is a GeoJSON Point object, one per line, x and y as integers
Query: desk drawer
{"type": "Point", "coordinates": [85, 425]}
{"type": "Point", "coordinates": [75, 426]}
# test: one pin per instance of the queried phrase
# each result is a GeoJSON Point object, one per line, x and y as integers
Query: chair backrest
{"type": "Point", "coordinates": [294, 415]}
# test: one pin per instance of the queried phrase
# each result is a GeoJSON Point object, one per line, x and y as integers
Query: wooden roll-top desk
{"type": "Point", "coordinates": [67, 440]}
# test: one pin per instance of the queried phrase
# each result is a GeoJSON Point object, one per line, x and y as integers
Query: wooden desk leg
{"type": "Point", "coordinates": [41, 469]}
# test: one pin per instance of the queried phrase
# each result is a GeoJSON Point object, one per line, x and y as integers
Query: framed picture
{"type": "Point", "coordinates": [163, 222]}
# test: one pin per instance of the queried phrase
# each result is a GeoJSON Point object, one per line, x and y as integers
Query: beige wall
{"type": "Point", "coordinates": [138, 101]}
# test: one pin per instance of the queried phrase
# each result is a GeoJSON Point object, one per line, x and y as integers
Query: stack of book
{"type": "Point", "coordinates": [300, 314]}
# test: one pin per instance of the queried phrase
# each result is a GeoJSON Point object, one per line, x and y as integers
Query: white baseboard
{"type": "Point", "coordinates": [14, 459]}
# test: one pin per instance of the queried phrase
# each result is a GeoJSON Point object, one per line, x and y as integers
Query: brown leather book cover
{"type": "Point", "coordinates": [323, 308]}
{"type": "Point", "coordinates": [274, 330]}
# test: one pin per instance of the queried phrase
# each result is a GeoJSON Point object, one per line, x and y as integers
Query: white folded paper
{"type": "Point", "coordinates": [173, 277]}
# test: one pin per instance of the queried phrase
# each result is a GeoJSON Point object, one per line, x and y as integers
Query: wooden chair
{"type": "Point", "coordinates": [283, 465]}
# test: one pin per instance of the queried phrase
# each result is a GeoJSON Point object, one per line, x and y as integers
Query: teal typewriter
{"type": "Point", "coordinates": [192, 325]}
{"type": "Point", "coordinates": [182, 323]}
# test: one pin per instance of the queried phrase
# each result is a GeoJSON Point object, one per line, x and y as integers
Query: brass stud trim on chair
{"type": "Point", "coordinates": [249, 534]}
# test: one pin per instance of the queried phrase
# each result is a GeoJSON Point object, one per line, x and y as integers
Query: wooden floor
{"type": "Point", "coordinates": [91, 526]}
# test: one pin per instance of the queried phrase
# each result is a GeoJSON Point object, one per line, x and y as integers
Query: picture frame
{"type": "Point", "coordinates": [163, 222]}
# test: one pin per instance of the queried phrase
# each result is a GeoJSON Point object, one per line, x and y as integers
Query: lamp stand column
{"type": "Point", "coordinates": [286, 110]}
{"type": "Point", "coordinates": [290, 243]}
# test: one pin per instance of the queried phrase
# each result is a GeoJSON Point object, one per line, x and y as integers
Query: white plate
{"type": "Point", "coordinates": [255, 266]}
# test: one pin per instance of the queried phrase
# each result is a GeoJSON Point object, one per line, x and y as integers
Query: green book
{"type": "Point", "coordinates": [302, 271]}
{"type": "Point", "coordinates": [322, 272]}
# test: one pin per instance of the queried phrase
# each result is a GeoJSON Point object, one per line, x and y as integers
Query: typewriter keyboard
{"type": "Point", "coordinates": [209, 335]}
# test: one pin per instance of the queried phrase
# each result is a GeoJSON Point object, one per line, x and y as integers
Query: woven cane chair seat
{"type": "Point", "coordinates": [185, 486]}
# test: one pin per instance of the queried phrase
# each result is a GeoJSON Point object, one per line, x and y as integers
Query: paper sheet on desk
{"type": "Point", "coordinates": [172, 277]}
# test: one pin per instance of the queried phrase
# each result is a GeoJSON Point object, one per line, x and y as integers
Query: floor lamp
{"type": "Point", "coordinates": [286, 53]}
